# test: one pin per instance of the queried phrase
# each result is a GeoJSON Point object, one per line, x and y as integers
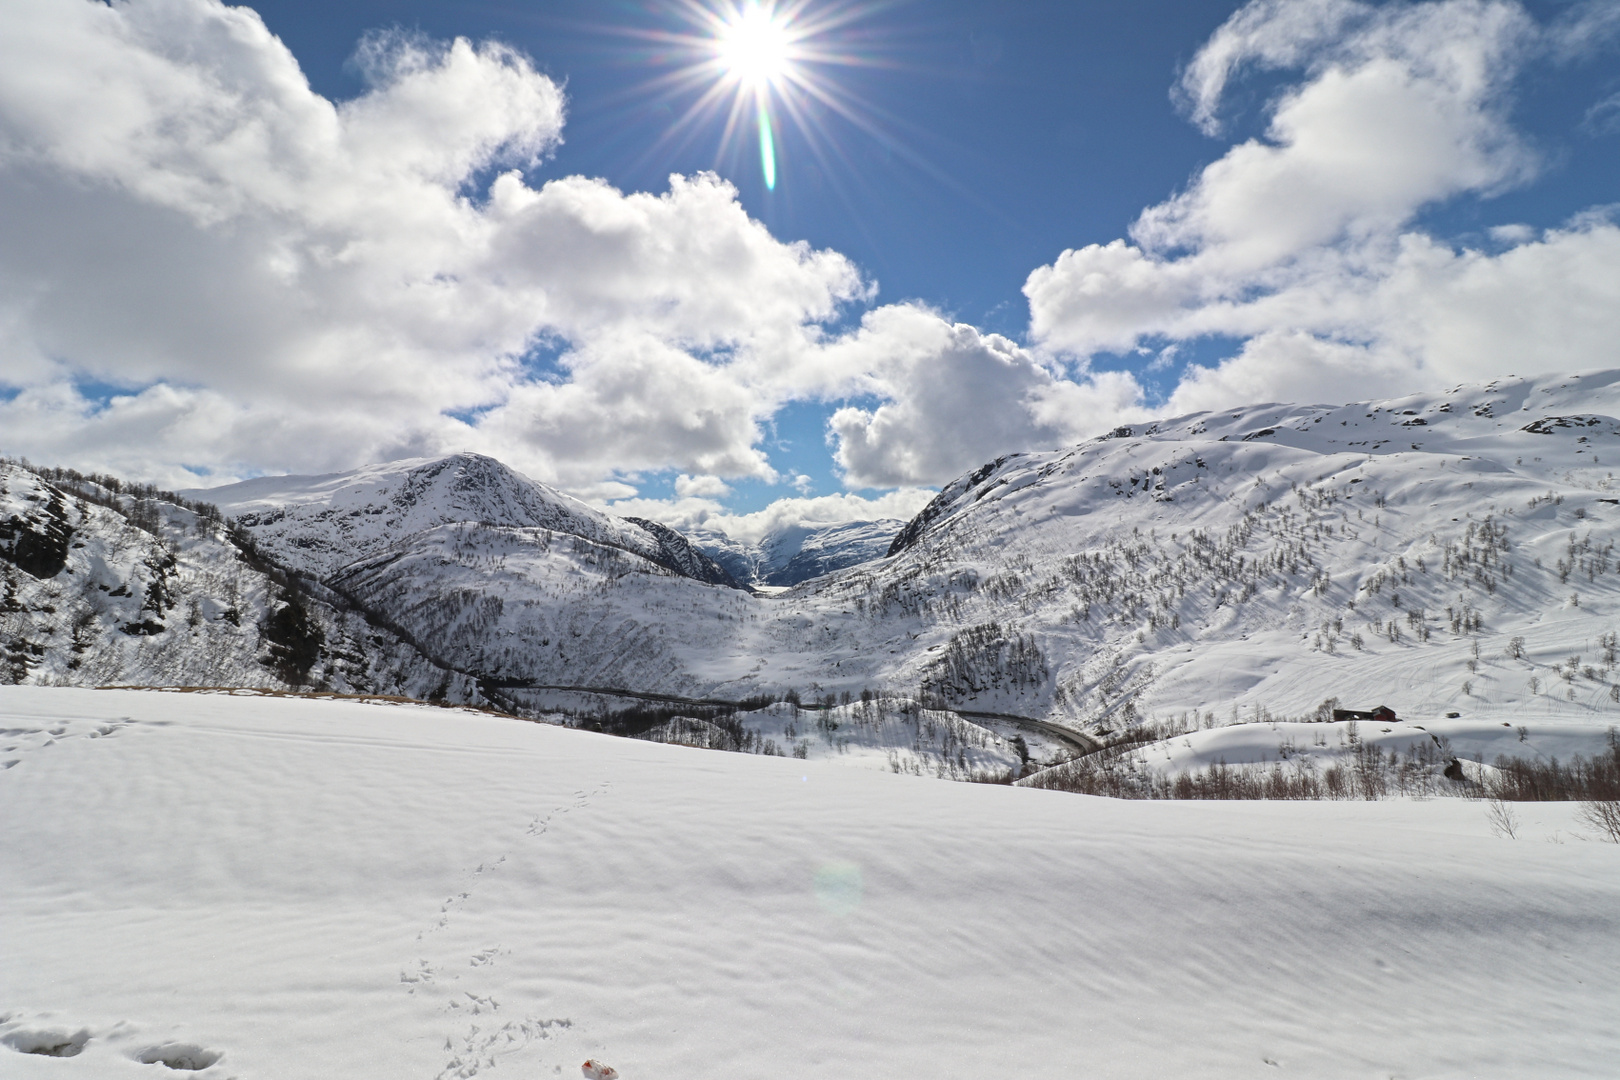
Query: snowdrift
{"type": "Point", "coordinates": [300, 890]}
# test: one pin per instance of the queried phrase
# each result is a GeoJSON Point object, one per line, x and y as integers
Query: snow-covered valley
{"type": "Point", "coordinates": [797, 553]}
{"type": "Point", "coordinates": [1443, 553]}
{"type": "Point", "coordinates": [295, 889]}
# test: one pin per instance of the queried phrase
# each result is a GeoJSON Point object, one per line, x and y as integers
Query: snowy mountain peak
{"type": "Point", "coordinates": [318, 524]}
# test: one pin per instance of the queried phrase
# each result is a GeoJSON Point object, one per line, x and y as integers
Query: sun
{"type": "Point", "coordinates": [757, 64]}
{"type": "Point", "coordinates": [755, 46]}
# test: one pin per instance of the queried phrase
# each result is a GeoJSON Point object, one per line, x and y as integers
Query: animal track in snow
{"type": "Point", "coordinates": [475, 1004]}
{"type": "Point", "coordinates": [480, 1047]}
{"type": "Point", "coordinates": [423, 974]}
{"type": "Point", "coordinates": [182, 1057]}
{"type": "Point", "coordinates": [538, 826]}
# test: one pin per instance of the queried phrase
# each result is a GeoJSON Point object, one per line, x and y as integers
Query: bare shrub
{"type": "Point", "coordinates": [1502, 819]}
{"type": "Point", "coordinates": [1603, 817]}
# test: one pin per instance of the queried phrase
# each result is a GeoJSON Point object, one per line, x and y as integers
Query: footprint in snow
{"type": "Point", "coordinates": [63, 1043]}
{"type": "Point", "coordinates": [47, 1042]}
{"type": "Point", "coordinates": [480, 1048]}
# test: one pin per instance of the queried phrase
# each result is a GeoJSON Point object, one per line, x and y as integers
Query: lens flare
{"type": "Point", "coordinates": [755, 47]}
{"type": "Point", "coordinates": [767, 148]}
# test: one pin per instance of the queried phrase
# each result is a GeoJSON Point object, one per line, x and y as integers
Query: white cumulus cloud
{"type": "Point", "coordinates": [264, 279]}
{"type": "Point", "coordinates": [1302, 243]}
{"type": "Point", "coordinates": [204, 265]}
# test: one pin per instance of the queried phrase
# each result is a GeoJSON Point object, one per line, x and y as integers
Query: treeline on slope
{"type": "Point", "coordinates": [292, 636]}
{"type": "Point", "coordinates": [641, 720]}
{"type": "Point", "coordinates": [1424, 769]}
{"type": "Point", "coordinates": [111, 492]}
{"type": "Point", "coordinates": [1145, 582]}
{"type": "Point", "coordinates": [636, 720]}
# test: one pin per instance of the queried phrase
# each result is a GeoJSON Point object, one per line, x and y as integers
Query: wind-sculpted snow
{"type": "Point", "coordinates": [233, 886]}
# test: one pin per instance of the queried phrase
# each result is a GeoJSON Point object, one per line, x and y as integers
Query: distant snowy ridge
{"type": "Point", "coordinates": [796, 553]}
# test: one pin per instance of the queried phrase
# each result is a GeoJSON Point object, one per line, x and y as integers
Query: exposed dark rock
{"type": "Point", "coordinates": [38, 543]}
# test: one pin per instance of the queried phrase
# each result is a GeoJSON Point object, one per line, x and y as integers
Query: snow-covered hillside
{"type": "Point", "coordinates": [1266, 558]}
{"type": "Point", "coordinates": [141, 591]}
{"type": "Point", "coordinates": [280, 889]}
{"type": "Point", "coordinates": [1441, 552]}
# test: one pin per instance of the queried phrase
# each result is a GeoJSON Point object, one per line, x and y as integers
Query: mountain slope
{"type": "Point", "coordinates": [1443, 552]}
{"type": "Point", "coordinates": [1279, 555]}
{"type": "Point", "coordinates": [105, 588]}
{"type": "Point", "coordinates": [1268, 557]}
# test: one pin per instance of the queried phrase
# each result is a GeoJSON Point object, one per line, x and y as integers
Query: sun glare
{"type": "Point", "coordinates": [761, 64]}
{"type": "Point", "coordinates": [755, 47]}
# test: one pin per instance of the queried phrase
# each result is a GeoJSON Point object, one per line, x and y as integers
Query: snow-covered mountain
{"type": "Point", "coordinates": [1275, 556]}
{"type": "Point", "coordinates": [1443, 552]}
{"type": "Point", "coordinates": [318, 524]}
{"type": "Point", "coordinates": [797, 553]}
{"type": "Point", "coordinates": [1266, 557]}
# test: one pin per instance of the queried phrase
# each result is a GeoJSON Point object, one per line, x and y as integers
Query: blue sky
{"type": "Point", "coordinates": [1121, 208]}
{"type": "Point", "coordinates": [1017, 129]}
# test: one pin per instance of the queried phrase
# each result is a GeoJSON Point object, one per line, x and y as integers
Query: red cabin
{"type": "Point", "coordinates": [1383, 714]}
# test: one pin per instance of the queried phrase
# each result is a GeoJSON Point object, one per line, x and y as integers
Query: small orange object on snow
{"type": "Point", "coordinates": [595, 1070]}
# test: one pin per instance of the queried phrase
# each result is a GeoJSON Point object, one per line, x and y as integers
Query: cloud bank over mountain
{"type": "Point", "coordinates": [206, 265]}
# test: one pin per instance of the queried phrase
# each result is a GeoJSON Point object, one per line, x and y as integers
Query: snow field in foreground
{"type": "Point", "coordinates": [319, 889]}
